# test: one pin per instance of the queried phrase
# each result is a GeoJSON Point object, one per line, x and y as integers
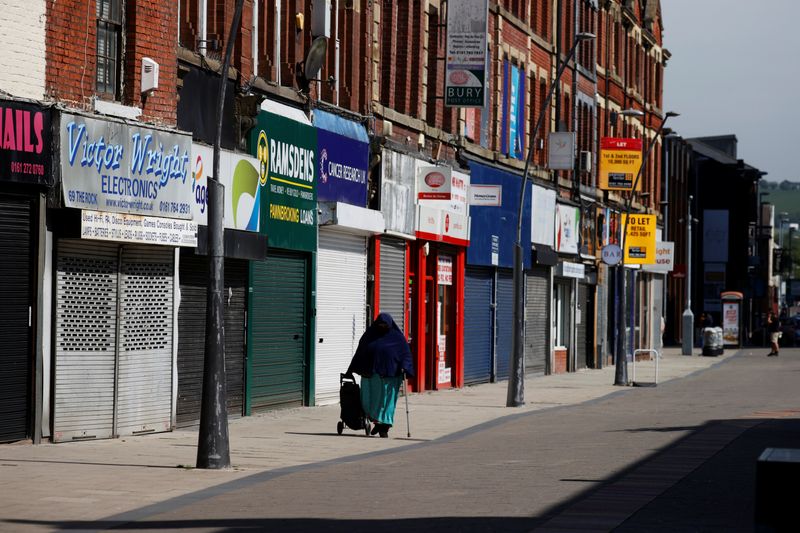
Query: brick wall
{"type": "Point", "coordinates": [22, 62]}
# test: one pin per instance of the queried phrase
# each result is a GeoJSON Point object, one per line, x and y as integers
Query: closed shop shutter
{"type": "Point", "coordinates": [657, 299]}
{"type": "Point", "coordinates": [86, 339]}
{"type": "Point", "coordinates": [144, 391]}
{"type": "Point", "coordinates": [341, 307]}
{"type": "Point", "coordinates": [505, 322]}
{"type": "Point", "coordinates": [114, 325]}
{"type": "Point", "coordinates": [15, 286]}
{"type": "Point", "coordinates": [393, 279]}
{"type": "Point", "coordinates": [581, 352]}
{"type": "Point", "coordinates": [277, 325]}
{"type": "Point", "coordinates": [537, 320]}
{"type": "Point", "coordinates": [191, 334]}
{"type": "Point", "coordinates": [478, 325]}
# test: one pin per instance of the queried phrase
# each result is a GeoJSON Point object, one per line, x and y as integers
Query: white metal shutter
{"type": "Point", "coordinates": [86, 323]}
{"type": "Point", "coordinates": [392, 289]}
{"type": "Point", "coordinates": [341, 307]}
{"type": "Point", "coordinates": [144, 393]}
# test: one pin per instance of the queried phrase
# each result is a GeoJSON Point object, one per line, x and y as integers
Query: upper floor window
{"type": "Point", "coordinates": [109, 38]}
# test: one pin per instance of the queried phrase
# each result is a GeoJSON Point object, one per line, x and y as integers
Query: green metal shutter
{"type": "Point", "coordinates": [15, 286]}
{"type": "Point", "coordinates": [191, 334]}
{"type": "Point", "coordinates": [277, 324]}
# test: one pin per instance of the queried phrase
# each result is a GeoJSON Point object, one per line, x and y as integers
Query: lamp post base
{"type": "Point", "coordinates": [688, 332]}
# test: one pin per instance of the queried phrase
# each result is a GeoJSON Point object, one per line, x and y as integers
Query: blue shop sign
{"type": "Point", "coordinates": [494, 228]}
{"type": "Point", "coordinates": [343, 160]}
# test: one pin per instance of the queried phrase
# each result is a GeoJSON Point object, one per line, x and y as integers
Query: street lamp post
{"type": "Point", "coordinates": [688, 316]}
{"type": "Point", "coordinates": [516, 381]}
{"type": "Point", "coordinates": [621, 368]}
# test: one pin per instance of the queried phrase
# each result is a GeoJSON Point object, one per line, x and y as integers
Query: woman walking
{"type": "Point", "coordinates": [382, 359]}
{"type": "Point", "coordinates": [774, 329]}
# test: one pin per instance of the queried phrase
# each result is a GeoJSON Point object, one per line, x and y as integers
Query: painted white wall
{"type": "Point", "coordinates": [22, 62]}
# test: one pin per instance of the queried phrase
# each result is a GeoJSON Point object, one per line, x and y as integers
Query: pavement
{"type": "Point", "coordinates": [89, 481]}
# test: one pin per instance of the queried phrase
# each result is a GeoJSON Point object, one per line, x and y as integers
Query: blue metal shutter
{"type": "Point", "coordinates": [478, 325]}
{"type": "Point", "coordinates": [505, 322]}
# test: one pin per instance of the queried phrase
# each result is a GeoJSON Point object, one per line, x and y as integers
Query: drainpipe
{"type": "Point", "coordinates": [202, 17]}
{"type": "Point", "coordinates": [277, 43]}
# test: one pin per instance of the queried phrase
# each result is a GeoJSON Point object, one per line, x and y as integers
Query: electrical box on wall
{"type": "Point", "coordinates": [149, 75]}
{"type": "Point", "coordinates": [586, 161]}
{"type": "Point", "coordinates": [321, 18]}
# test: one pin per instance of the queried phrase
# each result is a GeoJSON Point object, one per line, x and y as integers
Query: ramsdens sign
{"type": "Point", "coordinates": [286, 150]}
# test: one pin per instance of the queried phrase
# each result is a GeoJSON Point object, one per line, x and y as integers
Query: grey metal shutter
{"type": "Point", "coordinates": [478, 325]}
{"type": "Point", "coordinates": [144, 389]}
{"type": "Point", "coordinates": [505, 322]}
{"type": "Point", "coordinates": [341, 307]}
{"type": "Point", "coordinates": [277, 329]}
{"type": "Point", "coordinates": [392, 291]}
{"type": "Point", "coordinates": [581, 352]}
{"type": "Point", "coordinates": [657, 302]}
{"type": "Point", "coordinates": [537, 320]}
{"type": "Point", "coordinates": [191, 334]}
{"type": "Point", "coordinates": [15, 286]}
{"type": "Point", "coordinates": [85, 340]}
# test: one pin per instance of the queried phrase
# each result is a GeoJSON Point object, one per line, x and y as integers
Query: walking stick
{"type": "Point", "coordinates": [405, 393]}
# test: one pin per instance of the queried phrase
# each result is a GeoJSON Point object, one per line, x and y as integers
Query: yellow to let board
{"type": "Point", "coordinates": [620, 160]}
{"type": "Point", "coordinates": [640, 239]}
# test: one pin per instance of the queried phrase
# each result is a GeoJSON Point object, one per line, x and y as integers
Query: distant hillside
{"type": "Point", "coordinates": [785, 196]}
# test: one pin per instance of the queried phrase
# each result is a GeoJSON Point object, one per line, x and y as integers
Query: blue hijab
{"type": "Point", "coordinates": [381, 351]}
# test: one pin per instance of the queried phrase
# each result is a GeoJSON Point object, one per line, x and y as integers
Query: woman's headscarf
{"type": "Point", "coordinates": [382, 352]}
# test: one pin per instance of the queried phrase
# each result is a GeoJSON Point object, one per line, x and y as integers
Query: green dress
{"type": "Point", "coordinates": [379, 397]}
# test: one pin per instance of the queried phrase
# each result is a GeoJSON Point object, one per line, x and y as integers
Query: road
{"type": "Point", "coordinates": [676, 457]}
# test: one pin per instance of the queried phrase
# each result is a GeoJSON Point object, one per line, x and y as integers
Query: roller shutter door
{"type": "Point", "coordinates": [15, 286]}
{"type": "Point", "coordinates": [581, 327]}
{"type": "Point", "coordinates": [393, 279]}
{"type": "Point", "coordinates": [114, 321]}
{"type": "Point", "coordinates": [341, 308]}
{"type": "Point", "coordinates": [277, 329]}
{"type": "Point", "coordinates": [505, 322]}
{"type": "Point", "coordinates": [191, 334]}
{"type": "Point", "coordinates": [144, 390]}
{"type": "Point", "coordinates": [537, 320]}
{"type": "Point", "coordinates": [478, 325]}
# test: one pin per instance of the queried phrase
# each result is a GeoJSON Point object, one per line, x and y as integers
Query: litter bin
{"type": "Point", "coordinates": [712, 341]}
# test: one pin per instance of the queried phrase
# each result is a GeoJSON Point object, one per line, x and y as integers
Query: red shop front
{"type": "Point", "coordinates": [436, 277]}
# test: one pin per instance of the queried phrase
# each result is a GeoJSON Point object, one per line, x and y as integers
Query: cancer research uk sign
{"type": "Point", "coordinates": [113, 167]}
{"type": "Point", "coordinates": [467, 28]}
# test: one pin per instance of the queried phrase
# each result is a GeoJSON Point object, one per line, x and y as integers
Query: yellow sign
{"type": "Point", "coordinates": [640, 239]}
{"type": "Point", "coordinates": [620, 160]}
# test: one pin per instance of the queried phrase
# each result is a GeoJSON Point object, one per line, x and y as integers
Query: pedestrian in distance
{"type": "Point", "coordinates": [774, 329]}
{"type": "Point", "coordinates": [383, 360]}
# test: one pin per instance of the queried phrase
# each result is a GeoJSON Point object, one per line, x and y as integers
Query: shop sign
{"type": "Point", "coordinates": [571, 270]}
{"type": "Point", "coordinates": [620, 160]}
{"type": "Point", "coordinates": [467, 30]}
{"type": "Point", "coordinates": [665, 258]}
{"type": "Point", "coordinates": [486, 195]}
{"type": "Point", "coordinates": [239, 174]}
{"type": "Point", "coordinates": [287, 150]}
{"type": "Point", "coordinates": [25, 143]}
{"type": "Point", "coordinates": [612, 254]}
{"type": "Point", "coordinates": [543, 219]}
{"type": "Point", "coordinates": [342, 169]}
{"type": "Point", "coordinates": [443, 226]}
{"type": "Point", "coordinates": [114, 167]}
{"type": "Point", "coordinates": [445, 270]}
{"type": "Point", "coordinates": [495, 250]}
{"type": "Point", "coordinates": [567, 222]}
{"type": "Point", "coordinates": [433, 183]}
{"type": "Point", "coordinates": [444, 374]}
{"type": "Point", "coordinates": [125, 227]}
{"type": "Point", "coordinates": [640, 239]}
{"type": "Point", "coordinates": [561, 150]}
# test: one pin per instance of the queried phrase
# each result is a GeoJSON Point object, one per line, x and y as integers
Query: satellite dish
{"type": "Point", "coordinates": [315, 57]}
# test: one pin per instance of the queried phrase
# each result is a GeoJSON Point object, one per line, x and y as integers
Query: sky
{"type": "Point", "coordinates": [735, 68]}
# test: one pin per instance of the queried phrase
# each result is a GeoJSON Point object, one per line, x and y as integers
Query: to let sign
{"type": "Point", "coordinates": [620, 160]}
{"type": "Point", "coordinates": [640, 240]}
